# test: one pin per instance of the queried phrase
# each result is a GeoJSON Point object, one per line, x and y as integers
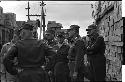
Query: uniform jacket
{"type": "Point", "coordinates": [97, 58]}
{"type": "Point", "coordinates": [61, 68]}
{"type": "Point", "coordinates": [3, 54]}
{"type": "Point", "coordinates": [98, 47]}
{"type": "Point", "coordinates": [62, 53]}
{"type": "Point", "coordinates": [80, 52]}
{"type": "Point", "coordinates": [61, 56]}
{"type": "Point", "coordinates": [29, 52]}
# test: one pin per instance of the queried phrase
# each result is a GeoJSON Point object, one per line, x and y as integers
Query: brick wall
{"type": "Point", "coordinates": [110, 25]}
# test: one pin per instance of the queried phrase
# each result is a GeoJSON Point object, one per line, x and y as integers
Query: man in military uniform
{"type": "Point", "coordinates": [95, 52]}
{"type": "Point", "coordinates": [31, 55]}
{"type": "Point", "coordinates": [49, 37]}
{"type": "Point", "coordinates": [61, 69]}
{"type": "Point", "coordinates": [76, 53]}
{"type": "Point", "coordinates": [6, 77]}
{"type": "Point", "coordinates": [49, 40]}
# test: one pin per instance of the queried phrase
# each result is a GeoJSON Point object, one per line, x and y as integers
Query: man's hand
{"type": "Point", "coordinates": [50, 73]}
{"type": "Point", "coordinates": [75, 75]}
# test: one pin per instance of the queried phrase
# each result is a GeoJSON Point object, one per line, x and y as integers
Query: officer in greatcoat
{"type": "Point", "coordinates": [31, 55]}
{"type": "Point", "coordinates": [95, 52]}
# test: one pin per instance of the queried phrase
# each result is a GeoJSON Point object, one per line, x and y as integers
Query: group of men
{"type": "Point", "coordinates": [55, 58]}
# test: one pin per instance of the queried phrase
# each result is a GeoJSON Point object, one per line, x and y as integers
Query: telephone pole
{"type": "Point", "coordinates": [42, 18]}
{"type": "Point", "coordinates": [28, 8]}
{"type": "Point", "coordinates": [42, 24]}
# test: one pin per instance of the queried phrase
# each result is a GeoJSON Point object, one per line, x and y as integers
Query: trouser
{"type": "Point", "coordinates": [33, 75]}
{"type": "Point", "coordinates": [71, 67]}
{"type": "Point", "coordinates": [98, 65]}
{"type": "Point", "coordinates": [80, 76]}
{"type": "Point", "coordinates": [61, 72]}
{"type": "Point", "coordinates": [6, 77]}
{"type": "Point", "coordinates": [52, 77]}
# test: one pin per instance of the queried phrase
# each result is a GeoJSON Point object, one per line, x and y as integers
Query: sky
{"type": "Point", "coordinates": [64, 12]}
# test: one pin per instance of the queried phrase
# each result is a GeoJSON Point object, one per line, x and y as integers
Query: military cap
{"type": "Point", "coordinates": [27, 27]}
{"type": "Point", "coordinates": [74, 27]}
{"type": "Point", "coordinates": [92, 26]}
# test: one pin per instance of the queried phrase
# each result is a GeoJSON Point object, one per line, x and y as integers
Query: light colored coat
{"type": "Point", "coordinates": [6, 77]}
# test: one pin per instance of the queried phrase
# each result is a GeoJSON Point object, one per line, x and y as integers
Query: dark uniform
{"type": "Point", "coordinates": [80, 52]}
{"type": "Point", "coordinates": [5, 75]}
{"type": "Point", "coordinates": [49, 40]}
{"type": "Point", "coordinates": [61, 68]}
{"type": "Point", "coordinates": [31, 56]}
{"type": "Point", "coordinates": [76, 56]}
{"type": "Point", "coordinates": [95, 52]}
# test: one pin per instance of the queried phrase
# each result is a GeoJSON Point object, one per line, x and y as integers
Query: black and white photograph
{"type": "Point", "coordinates": [61, 41]}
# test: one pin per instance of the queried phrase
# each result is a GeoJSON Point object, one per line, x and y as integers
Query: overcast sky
{"type": "Point", "coordinates": [64, 12]}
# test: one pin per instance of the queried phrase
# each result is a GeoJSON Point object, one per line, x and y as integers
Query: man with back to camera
{"type": "Point", "coordinates": [31, 55]}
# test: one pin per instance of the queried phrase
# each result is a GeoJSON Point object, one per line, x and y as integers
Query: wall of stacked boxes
{"type": "Point", "coordinates": [108, 17]}
{"type": "Point", "coordinates": [7, 24]}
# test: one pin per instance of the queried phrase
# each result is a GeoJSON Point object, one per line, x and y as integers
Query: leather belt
{"type": "Point", "coordinates": [26, 68]}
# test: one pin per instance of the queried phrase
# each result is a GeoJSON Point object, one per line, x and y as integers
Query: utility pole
{"type": "Point", "coordinates": [42, 24]}
{"type": "Point", "coordinates": [28, 8]}
{"type": "Point", "coordinates": [42, 19]}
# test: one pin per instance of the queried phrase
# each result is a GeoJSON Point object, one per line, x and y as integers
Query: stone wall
{"type": "Point", "coordinates": [108, 17]}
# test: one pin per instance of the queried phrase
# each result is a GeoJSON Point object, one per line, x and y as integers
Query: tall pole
{"type": "Point", "coordinates": [40, 25]}
{"type": "Point", "coordinates": [42, 19]}
{"type": "Point", "coordinates": [28, 8]}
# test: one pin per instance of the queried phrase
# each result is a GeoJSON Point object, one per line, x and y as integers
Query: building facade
{"type": "Point", "coordinates": [7, 24]}
{"type": "Point", "coordinates": [1, 24]}
{"type": "Point", "coordinates": [108, 17]}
